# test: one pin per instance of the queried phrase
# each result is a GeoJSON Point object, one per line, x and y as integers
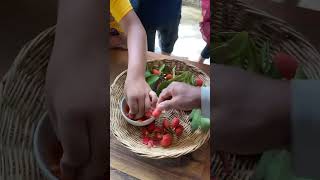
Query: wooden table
{"type": "Point", "coordinates": [125, 164]}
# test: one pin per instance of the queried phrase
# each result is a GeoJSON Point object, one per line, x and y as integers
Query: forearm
{"type": "Point", "coordinates": [137, 44]}
{"type": "Point", "coordinates": [80, 31]}
{"type": "Point", "coordinates": [137, 51]}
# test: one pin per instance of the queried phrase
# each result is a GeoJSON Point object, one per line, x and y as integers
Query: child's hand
{"type": "Point", "coordinates": [179, 96]}
{"type": "Point", "coordinates": [139, 96]}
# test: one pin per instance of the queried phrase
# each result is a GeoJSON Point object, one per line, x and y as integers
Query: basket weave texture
{"type": "Point", "coordinates": [21, 107]}
{"type": "Point", "coordinates": [237, 16]}
{"type": "Point", "coordinates": [130, 136]}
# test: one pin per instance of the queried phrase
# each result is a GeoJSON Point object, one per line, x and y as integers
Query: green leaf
{"type": "Point", "coordinates": [265, 57]}
{"type": "Point", "coordinates": [162, 86]}
{"type": "Point", "coordinates": [192, 114]}
{"type": "Point", "coordinates": [275, 165]}
{"type": "Point", "coordinates": [184, 77]}
{"type": "Point", "coordinates": [205, 124]}
{"type": "Point", "coordinates": [152, 79]}
{"type": "Point", "coordinates": [252, 57]}
{"type": "Point", "coordinates": [231, 49]}
{"type": "Point", "coordinates": [274, 72]}
{"type": "Point", "coordinates": [162, 67]}
{"type": "Point", "coordinates": [300, 73]}
{"type": "Point", "coordinates": [196, 120]}
{"type": "Point", "coordinates": [147, 74]}
{"type": "Point", "coordinates": [166, 70]}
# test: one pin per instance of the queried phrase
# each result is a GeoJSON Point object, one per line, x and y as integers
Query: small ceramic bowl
{"type": "Point", "coordinates": [123, 104]}
{"type": "Point", "coordinates": [46, 149]}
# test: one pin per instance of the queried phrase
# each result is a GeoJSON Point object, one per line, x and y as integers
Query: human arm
{"type": "Point", "coordinates": [251, 113]}
{"type": "Point", "coordinates": [137, 90]}
{"type": "Point", "coordinates": [76, 88]}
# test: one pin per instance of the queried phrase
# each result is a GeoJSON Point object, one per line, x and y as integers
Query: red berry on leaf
{"type": "Point", "coordinates": [155, 72]}
{"type": "Point", "coordinates": [151, 127]}
{"type": "Point", "coordinates": [156, 113]}
{"type": "Point", "coordinates": [199, 82]}
{"type": "Point", "coordinates": [179, 130]}
{"type": "Point", "coordinates": [168, 76]}
{"type": "Point", "coordinates": [175, 122]}
{"type": "Point", "coordinates": [166, 140]}
{"type": "Point", "coordinates": [166, 123]}
{"type": "Point", "coordinates": [286, 64]}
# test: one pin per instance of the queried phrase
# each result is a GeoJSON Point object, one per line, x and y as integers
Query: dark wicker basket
{"type": "Point", "coordinates": [236, 16]}
{"type": "Point", "coordinates": [21, 107]}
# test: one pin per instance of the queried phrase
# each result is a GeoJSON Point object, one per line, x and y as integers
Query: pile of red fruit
{"type": "Point", "coordinates": [146, 116]}
{"type": "Point", "coordinates": [162, 135]}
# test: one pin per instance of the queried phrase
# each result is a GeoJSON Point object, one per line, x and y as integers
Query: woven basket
{"type": "Point", "coordinates": [130, 136]}
{"type": "Point", "coordinates": [236, 16]}
{"type": "Point", "coordinates": [21, 107]}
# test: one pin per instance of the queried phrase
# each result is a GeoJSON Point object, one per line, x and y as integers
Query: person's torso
{"type": "Point", "coordinates": [157, 12]}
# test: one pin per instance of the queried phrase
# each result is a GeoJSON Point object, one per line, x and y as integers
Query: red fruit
{"type": "Point", "coordinates": [151, 127]}
{"type": "Point", "coordinates": [150, 143]}
{"type": "Point", "coordinates": [155, 72]}
{"type": "Point", "coordinates": [144, 132]}
{"type": "Point", "coordinates": [145, 140]}
{"type": "Point", "coordinates": [286, 64]}
{"type": "Point", "coordinates": [175, 122]}
{"type": "Point", "coordinates": [156, 113]}
{"type": "Point", "coordinates": [199, 82]}
{"type": "Point", "coordinates": [166, 123]}
{"type": "Point", "coordinates": [166, 140]}
{"type": "Point", "coordinates": [157, 129]}
{"type": "Point", "coordinates": [148, 114]}
{"type": "Point", "coordinates": [158, 136]}
{"type": "Point", "coordinates": [179, 130]}
{"type": "Point", "coordinates": [131, 116]}
{"type": "Point", "coordinates": [168, 76]}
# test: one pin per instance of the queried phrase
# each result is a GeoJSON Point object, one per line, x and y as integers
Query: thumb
{"type": "Point", "coordinates": [166, 105]}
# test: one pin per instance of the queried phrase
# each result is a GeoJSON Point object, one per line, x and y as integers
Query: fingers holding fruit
{"type": "Point", "coordinates": [133, 106]}
{"type": "Point", "coordinates": [180, 96]}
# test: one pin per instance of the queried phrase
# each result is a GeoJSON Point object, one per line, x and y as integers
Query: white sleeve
{"type": "Point", "coordinates": [205, 101]}
{"type": "Point", "coordinates": [305, 117]}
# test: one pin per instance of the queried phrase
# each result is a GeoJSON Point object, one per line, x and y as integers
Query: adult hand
{"type": "Point", "coordinates": [250, 112]}
{"type": "Point", "coordinates": [179, 96]}
{"type": "Point", "coordinates": [139, 96]}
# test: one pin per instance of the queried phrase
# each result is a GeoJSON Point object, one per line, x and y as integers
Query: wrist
{"type": "Point", "coordinates": [135, 73]}
{"type": "Point", "coordinates": [196, 95]}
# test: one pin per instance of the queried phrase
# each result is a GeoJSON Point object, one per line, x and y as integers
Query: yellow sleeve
{"type": "Point", "coordinates": [119, 8]}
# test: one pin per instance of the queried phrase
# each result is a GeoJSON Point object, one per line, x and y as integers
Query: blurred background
{"type": "Point", "coordinates": [22, 20]}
